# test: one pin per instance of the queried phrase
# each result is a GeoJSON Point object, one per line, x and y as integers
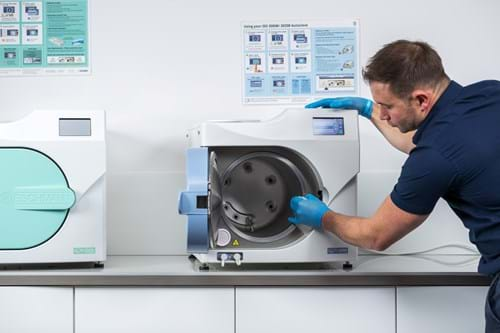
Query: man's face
{"type": "Point", "coordinates": [400, 113]}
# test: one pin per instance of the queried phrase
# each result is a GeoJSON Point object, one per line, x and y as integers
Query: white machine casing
{"type": "Point", "coordinates": [335, 159]}
{"type": "Point", "coordinates": [82, 237]}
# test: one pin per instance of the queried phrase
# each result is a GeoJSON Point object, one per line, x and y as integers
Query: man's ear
{"type": "Point", "coordinates": [423, 98]}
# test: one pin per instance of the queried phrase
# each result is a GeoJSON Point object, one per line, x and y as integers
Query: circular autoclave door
{"type": "Point", "coordinates": [253, 193]}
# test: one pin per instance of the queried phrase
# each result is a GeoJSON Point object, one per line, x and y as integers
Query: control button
{"type": "Point", "coordinates": [223, 237]}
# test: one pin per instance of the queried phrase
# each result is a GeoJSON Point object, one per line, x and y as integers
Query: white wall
{"type": "Point", "coordinates": [159, 67]}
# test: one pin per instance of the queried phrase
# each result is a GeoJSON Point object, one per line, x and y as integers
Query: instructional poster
{"type": "Point", "coordinates": [44, 37]}
{"type": "Point", "coordinates": [297, 62]}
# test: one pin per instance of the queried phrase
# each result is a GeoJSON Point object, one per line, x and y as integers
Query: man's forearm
{"type": "Point", "coordinates": [354, 230]}
{"type": "Point", "coordinates": [385, 227]}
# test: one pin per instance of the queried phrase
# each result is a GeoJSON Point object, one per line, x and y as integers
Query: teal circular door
{"type": "Point", "coordinates": [35, 198]}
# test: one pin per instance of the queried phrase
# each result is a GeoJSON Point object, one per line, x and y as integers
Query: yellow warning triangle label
{"type": "Point", "coordinates": [236, 243]}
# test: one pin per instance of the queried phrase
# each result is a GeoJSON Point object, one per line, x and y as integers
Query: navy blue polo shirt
{"type": "Point", "coordinates": [457, 158]}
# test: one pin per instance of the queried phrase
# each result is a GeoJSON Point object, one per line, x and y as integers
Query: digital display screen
{"type": "Point", "coordinates": [328, 126]}
{"type": "Point", "coordinates": [75, 127]}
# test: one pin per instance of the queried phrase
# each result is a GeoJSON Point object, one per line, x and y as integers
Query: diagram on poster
{"type": "Point", "coordinates": [297, 62]}
{"type": "Point", "coordinates": [44, 37]}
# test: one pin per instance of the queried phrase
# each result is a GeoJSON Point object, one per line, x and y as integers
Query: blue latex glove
{"type": "Point", "coordinates": [363, 105]}
{"type": "Point", "coordinates": [308, 210]}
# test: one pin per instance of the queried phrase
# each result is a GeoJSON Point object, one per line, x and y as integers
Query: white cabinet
{"type": "Point", "coordinates": [149, 309]}
{"type": "Point", "coordinates": [36, 309]}
{"type": "Point", "coordinates": [315, 309]}
{"type": "Point", "coordinates": [440, 309]}
{"type": "Point", "coordinates": [242, 309]}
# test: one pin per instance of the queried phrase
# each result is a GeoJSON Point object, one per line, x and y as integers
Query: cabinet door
{"type": "Point", "coordinates": [315, 309]}
{"type": "Point", "coordinates": [440, 309]}
{"type": "Point", "coordinates": [36, 309]}
{"type": "Point", "coordinates": [148, 309]}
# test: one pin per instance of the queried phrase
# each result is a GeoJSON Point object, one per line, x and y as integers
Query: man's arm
{"type": "Point", "coordinates": [401, 141]}
{"type": "Point", "coordinates": [385, 227]}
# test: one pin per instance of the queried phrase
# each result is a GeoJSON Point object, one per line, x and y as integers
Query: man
{"type": "Point", "coordinates": [452, 136]}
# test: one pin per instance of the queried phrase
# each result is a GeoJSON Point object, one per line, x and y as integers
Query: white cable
{"type": "Point", "coordinates": [467, 247]}
{"type": "Point", "coordinates": [465, 262]}
{"type": "Point", "coordinates": [462, 263]}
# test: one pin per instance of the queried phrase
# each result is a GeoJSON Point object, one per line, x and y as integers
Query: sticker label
{"type": "Point", "coordinates": [84, 250]}
{"type": "Point", "coordinates": [338, 250]}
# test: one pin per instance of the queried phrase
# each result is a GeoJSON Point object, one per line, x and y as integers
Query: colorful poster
{"type": "Point", "coordinates": [298, 62]}
{"type": "Point", "coordinates": [44, 37]}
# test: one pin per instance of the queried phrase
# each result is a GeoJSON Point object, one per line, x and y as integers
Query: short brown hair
{"type": "Point", "coordinates": [405, 66]}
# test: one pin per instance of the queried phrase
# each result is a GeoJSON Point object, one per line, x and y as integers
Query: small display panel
{"type": "Point", "coordinates": [255, 83]}
{"type": "Point", "coordinates": [278, 83]}
{"type": "Point", "coordinates": [300, 38]}
{"type": "Point", "coordinates": [255, 61]}
{"type": "Point", "coordinates": [254, 38]}
{"type": "Point", "coordinates": [74, 127]}
{"type": "Point", "coordinates": [31, 10]}
{"type": "Point", "coordinates": [301, 60]}
{"type": "Point", "coordinates": [328, 126]}
{"type": "Point", "coordinates": [278, 61]}
{"type": "Point", "coordinates": [277, 38]}
{"type": "Point", "coordinates": [9, 9]}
